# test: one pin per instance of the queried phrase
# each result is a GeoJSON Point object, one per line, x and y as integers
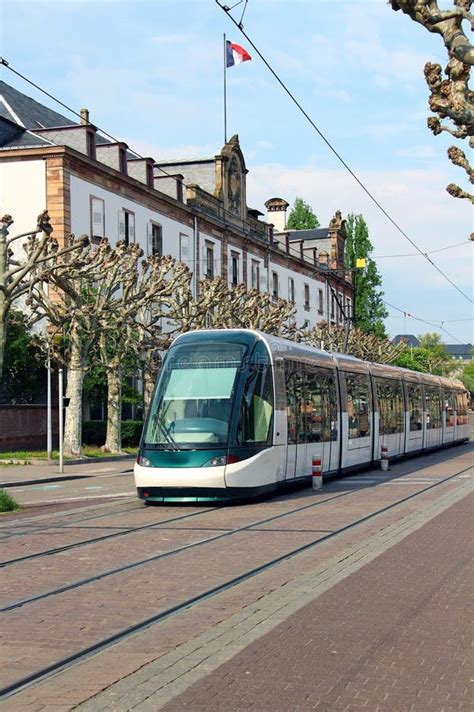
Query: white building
{"type": "Point", "coordinates": [195, 211]}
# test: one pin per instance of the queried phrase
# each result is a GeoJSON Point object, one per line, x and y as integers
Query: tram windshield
{"type": "Point", "coordinates": [192, 403]}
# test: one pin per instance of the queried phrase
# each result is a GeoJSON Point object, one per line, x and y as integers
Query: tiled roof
{"type": "Point", "coordinates": [13, 136]}
{"type": "Point", "coordinates": [30, 112]}
{"type": "Point", "coordinates": [315, 234]}
{"type": "Point", "coordinates": [409, 339]}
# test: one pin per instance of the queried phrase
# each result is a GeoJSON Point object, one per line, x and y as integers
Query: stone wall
{"type": "Point", "coordinates": [24, 427]}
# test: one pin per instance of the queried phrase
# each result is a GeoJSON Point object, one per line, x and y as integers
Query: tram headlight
{"type": "Point", "coordinates": [143, 461]}
{"type": "Point", "coordinates": [216, 461]}
{"type": "Point", "coordinates": [221, 460]}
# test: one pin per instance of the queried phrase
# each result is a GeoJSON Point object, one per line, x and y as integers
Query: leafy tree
{"type": "Point", "coordinates": [450, 98]}
{"type": "Point", "coordinates": [24, 373]}
{"type": "Point", "coordinates": [467, 377]}
{"type": "Point", "coordinates": [369, 309]}
{"type": "Point", "coordinates": [426, 360]}
{"type": "Point", "coordinates": [302, 217]}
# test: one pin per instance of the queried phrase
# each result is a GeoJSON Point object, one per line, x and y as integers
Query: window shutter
{"type": "Point", "coordinates": [121, 225]}
{"type": "Point", "coordinates": [184, 248]}
{"type": "Point", "coordinates": [97, 218]}
{"type": "Point", "coordinates": [131, 227]}
{"type": "Point", "coordinates": [149, 239]}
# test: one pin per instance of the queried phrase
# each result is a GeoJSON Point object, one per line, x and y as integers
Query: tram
{"type": "Point", "coordinates": [237, 413]}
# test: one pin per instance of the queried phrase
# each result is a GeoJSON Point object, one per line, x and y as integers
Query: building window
{"type": "Point", "coordinates": [306, 297]}
{"type": "Point", "coordinates": [349, 314]}
{"type": "Point", "coordinates": [127, 227]}
{"type": "Point", "coordinates": [209, 263]}
{"type": "Point", "coordinates": [291, 290]}
{"type": "Point", "coordinates": [122, 161]}
{"type": "Point", "coordinates": [234, 268]}
{"type": "Point", "coordinates": [156, 241]}
{"type": "Point", "coordinates": [183, 248]}
{"type": "Point", "coordinates": [341, 307]}
{"type": "Point", "coordinates": [97, 213]}
{"type": "Point", "coordinates": [332, 305]}
{"type": "Point", "coordinates": [320, 301]}
{"type": "Point", "coordinates": [274, 285]}
{"type": "Point", "coordinates": [256, 275]}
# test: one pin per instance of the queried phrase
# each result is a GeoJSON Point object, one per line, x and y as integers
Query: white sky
{"type": "Point", "coordinates": [151, 72]}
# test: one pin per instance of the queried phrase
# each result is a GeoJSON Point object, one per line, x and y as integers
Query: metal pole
{"type": "Point", "coordinates": [225, 91]}
{"type": "Point", "coordinates": [49, 424]}
{"type": "Point", "coordinates": [61, 444]}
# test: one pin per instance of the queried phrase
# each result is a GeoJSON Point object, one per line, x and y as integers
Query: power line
{"type": "Point", "coordinates": [417, 254]}
{"type": "Point", "coordinates": [337, 154]}
{"type": "Point", "coordinates": [424, 321]}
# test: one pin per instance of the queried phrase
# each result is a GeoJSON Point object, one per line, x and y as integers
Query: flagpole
{"type": "Point", "coordinates": [225, 92]}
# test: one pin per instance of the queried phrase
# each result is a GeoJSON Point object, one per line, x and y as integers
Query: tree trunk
{"type": "Point", "coordinates": [149, 379]}
{"type": "Point", "coordinates": [3, 332]}
{"type": "Point", "coordinates": [113, 440]}
{"type": "Point", "coordinates": [75, 380]}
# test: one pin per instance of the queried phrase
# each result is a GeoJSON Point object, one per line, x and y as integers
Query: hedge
{"type": "Point", "coordinates": [94, 431]}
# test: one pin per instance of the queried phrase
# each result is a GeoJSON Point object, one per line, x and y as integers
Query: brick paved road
{"type": "Point", "coordinates": [394, 636]}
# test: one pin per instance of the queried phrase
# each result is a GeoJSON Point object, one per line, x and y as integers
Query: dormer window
{"type": "Point", "coordinates": [149, 175]}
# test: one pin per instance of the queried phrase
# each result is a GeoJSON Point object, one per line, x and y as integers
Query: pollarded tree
{"type": "Point", "coordinates": [21, 266]}
{"type": "Point", "coordinates": [450, 98]}
{"type": "Point", "coordinates": [301, 216]}
{"type": "Point", "coordinates": [132, 328]}
{"type": "Point", "coordinates": [368, 347]}
{"type": "Point", "coordinates": [369, 309]}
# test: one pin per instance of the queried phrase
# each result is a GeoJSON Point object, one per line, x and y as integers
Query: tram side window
{"type": "Point", "coordinates": [358, 405]}
{"type": "Point", "coordinates": [415, 408]}
{"type": "Point", "coordinates": [461, 408]}
{"type": "Point", "coordinates": [433, 408]}
{"type": "Point", "coordinates": [320, 407]}
{"type": "Point", "coordinates": [257, 407]}
{"type": "Point", "coordinates": [391, 407]}
{"type": "Point", "coordinates": [449, 407]}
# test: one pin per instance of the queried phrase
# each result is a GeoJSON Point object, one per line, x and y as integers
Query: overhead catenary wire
{"type": "Point", "coordinates": [338, 155]}
{"type": "Point", "coordinates": [418, 254]}
{"type": "Point", "coordinates": [438, 325]}
{"type": "Point", "coordinates": [292, 251]}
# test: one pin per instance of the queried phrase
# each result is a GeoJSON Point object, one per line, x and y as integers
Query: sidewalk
{"type": "Point", "coordinates": [42, 472]}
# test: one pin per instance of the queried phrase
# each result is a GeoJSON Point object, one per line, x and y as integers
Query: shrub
{"type": "Point", "coordinates": [7, 503]}
{"type": "Point", "coordinates": [94, 431]}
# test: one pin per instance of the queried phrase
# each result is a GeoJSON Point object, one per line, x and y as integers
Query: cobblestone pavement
{"type": "Point", "coordinates": [164, 664]}
{"type": "Point", "coordinates": [392, 636]}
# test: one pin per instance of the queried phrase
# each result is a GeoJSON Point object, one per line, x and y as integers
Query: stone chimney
{"type": "Point", "coordinates": [84, 116]}
{"type": "Point", "coordinates": [276, 208]}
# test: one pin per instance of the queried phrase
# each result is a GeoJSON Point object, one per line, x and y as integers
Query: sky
{"type": "Point", "coordinates": [151, 73]}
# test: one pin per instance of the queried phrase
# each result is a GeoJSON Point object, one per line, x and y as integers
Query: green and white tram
{"type": "Point", "coordinates": [237, 413]}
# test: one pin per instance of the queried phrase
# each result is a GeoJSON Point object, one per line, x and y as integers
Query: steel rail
{"type": "Point", "coordinates": [75, 658]}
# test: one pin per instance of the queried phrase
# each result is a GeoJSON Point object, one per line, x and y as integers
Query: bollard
{"type": "Point", "coordinates": [317, 477]}
{"type": "Point", "coordinates": [384, 457]}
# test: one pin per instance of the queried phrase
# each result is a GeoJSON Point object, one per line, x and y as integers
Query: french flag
{"type": "Point", "coordinates": [235, 54]}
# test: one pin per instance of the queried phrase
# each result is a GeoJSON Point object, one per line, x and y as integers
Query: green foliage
{"type": "Point", "coordinates": [426, 361]}
{"type": "Point", "coordinates": [302, 217]}
{"type": "Point", "coordinates": [24, 372]}
{"type": "Point", "coordinates": [7, 503]}
{"type": "Point", "coordinates": [467, 377]}
{"type": "Point", "coordinates": [93, 432]}
{"type": "Point", "coordinates": [369, 307]}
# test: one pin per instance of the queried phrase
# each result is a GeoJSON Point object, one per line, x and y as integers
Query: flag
{"type": "Point", "coordinates": [234, 54]}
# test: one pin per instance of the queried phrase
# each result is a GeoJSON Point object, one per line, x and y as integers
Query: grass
{"type": "Point", "coordinates": [87, 451]}
{"type": "Point", "coordinates": [7, 503]}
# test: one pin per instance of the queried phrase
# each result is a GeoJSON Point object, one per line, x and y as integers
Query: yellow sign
{"type": "Point", "coordinates": [360, 262]}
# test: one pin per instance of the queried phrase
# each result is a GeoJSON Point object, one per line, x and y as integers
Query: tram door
{"type": "Point", "coordinates": [448, 415]}
{"type": "Point", "coordinates": [295, 450]}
